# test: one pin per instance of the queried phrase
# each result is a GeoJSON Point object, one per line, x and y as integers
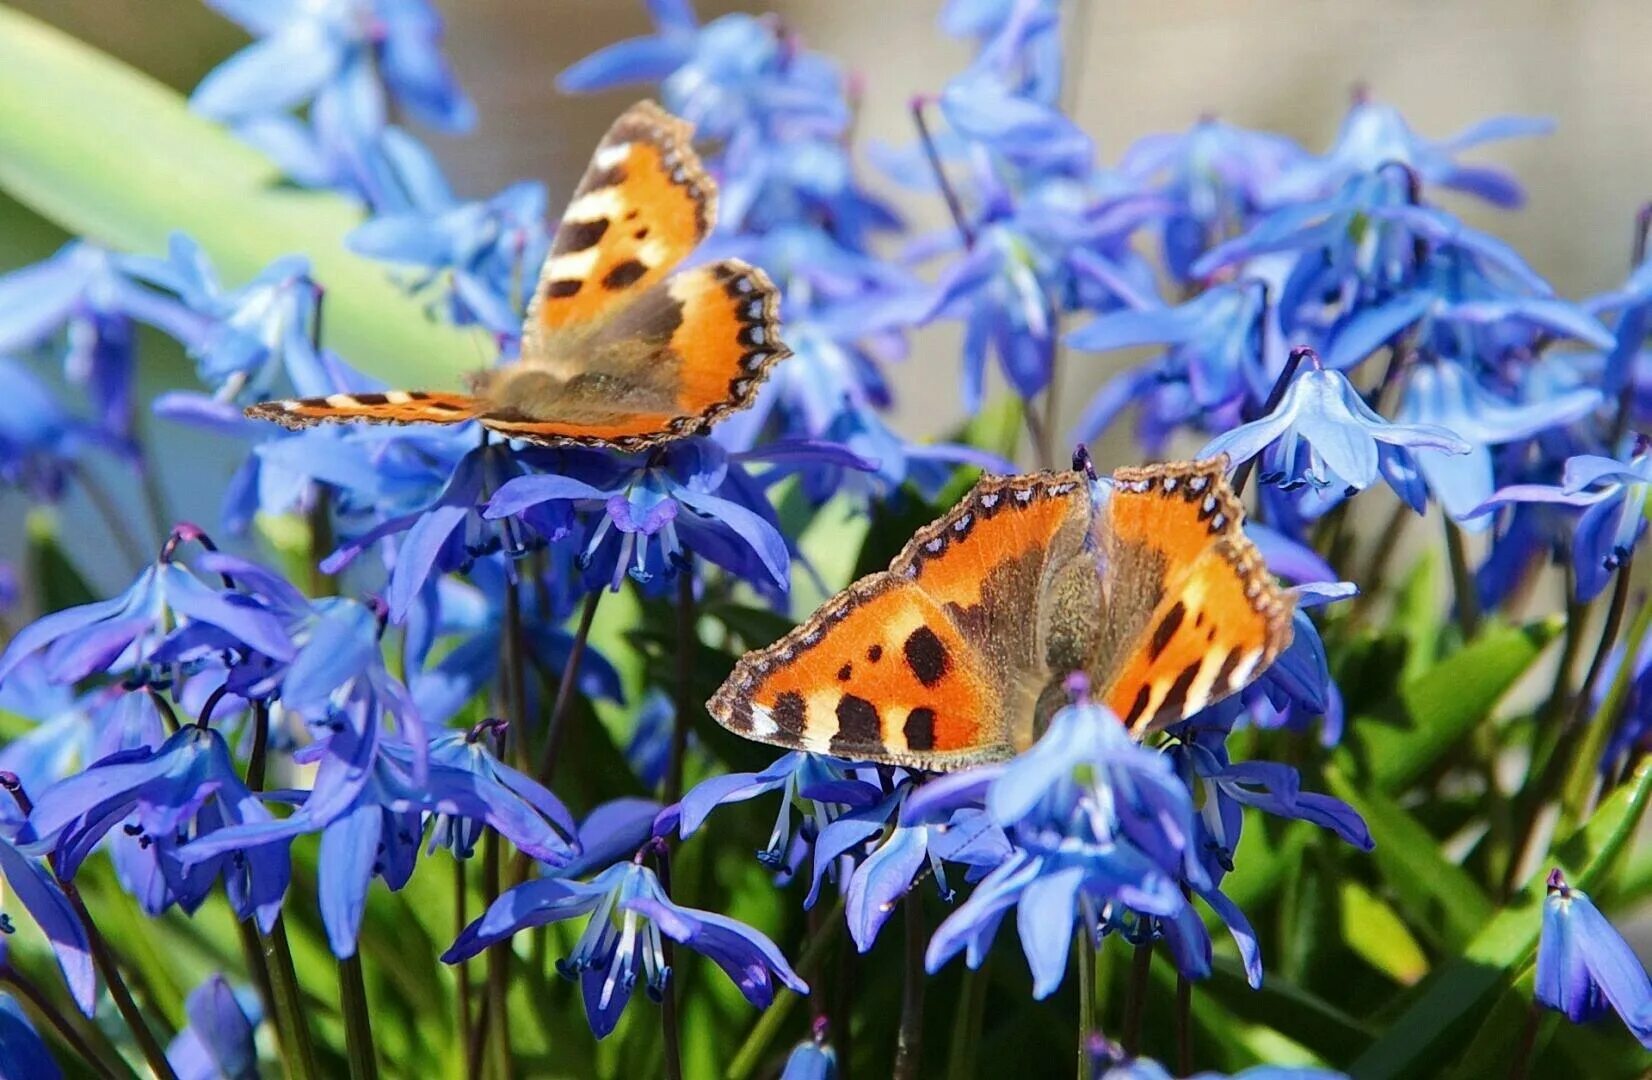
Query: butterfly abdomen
{"type": "Point", "coordinates": [388, 407]}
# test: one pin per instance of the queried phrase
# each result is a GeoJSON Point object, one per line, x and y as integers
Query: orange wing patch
{"type": "Point", "coordinates": [674, 361]}
{"type": "Point", "coordinates": [644, 203]}
{"type": "Point", "coordinates": [934, 663]}
{"type": "Point", "coordinates": [1217, 620]}
{"type": "Point", "coordinates": [389, 407]}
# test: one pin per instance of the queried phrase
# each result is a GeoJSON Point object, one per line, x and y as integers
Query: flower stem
{"type": "Point", "coordinates": [294, 1033]}
{"type": "Point", "coordinates": [74, 1033]}
{"type": "Point", "coordinates": [768, 1026]}
{"type": "Point", "coordinates": [909, 1039]}
{"type": "Point", "coordinates": [514, 680]}
{"type": "Point", "coordinates": [1084, 955]}
{"type": "Point", "coordinates": [1520, 1067]}
{"type": "Point", "coordinates": [669, 1031]}
{"type": "Point", "coordinates": [462, 969]}
{"type": "Point", "coordinates": [1184, 1025]}
{"type": "Point", "coordinates": [1135, 1002]}
{"type": "Point", "coordinates": [358, 1027]}
{"type": "Point", "coordinates": [1578, 792]}
{"type": "Point", "coordinates": [966, 1027]}
{"type": "Point", "coordinates": [565, 690]}
{"type": "Point", "coordinates": [1462, 582]}
{"type": "Point", "coordinates": [954, 205]}
{"type": "Point", "coordinates": [499, 958]}
{"type": "Point", "coordinates": [687, 642]}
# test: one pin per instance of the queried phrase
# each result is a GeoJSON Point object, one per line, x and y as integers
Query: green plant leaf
{"type": "Point", "coordinates": [1444, 704]}
{"type": "Point", "coordinates": [1375, 932]}
{"type": "Point", "coordinates": [1432, 891]}
{"type": "Point", "coordinates": [106, 151]}
{"type": "Point", "coordinates": [1416, 1042]}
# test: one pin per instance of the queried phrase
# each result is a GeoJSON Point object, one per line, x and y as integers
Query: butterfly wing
{"type": "Point", "coordinates": [389, 407]}
{"type": "Point", "coordinates": [936, 663]}
{"type": "Point", "coordinates": [1191, 613]}
{"type": "Point", "coordinates": [686, 352]}
{"type": "Point", "coordinates": [644, 203]}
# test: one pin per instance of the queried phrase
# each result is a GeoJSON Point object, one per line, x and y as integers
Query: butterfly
{"type": "Point", "coordinates": [617, 350]}
{"type": "Point", "coordinates": [959, 653]}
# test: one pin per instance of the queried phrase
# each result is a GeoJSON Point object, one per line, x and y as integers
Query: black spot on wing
{"type": "Point", "coordinates": [1138, 706]}
{"type": "Point", "coordinates": [560, 290]}
{"type": "Point", "coordinates": [926, 656]}
{"type": "Point", "coordinates": [1166, 630]}
{"type": "Point", "coordinates": [788, 713]}
{"type": "Point", "coordinates": [578, 235]}
{"type": "Point", "coordinates": [371, 399]}
{"type": "Point", "coordinates": [874, 653]}
{"type": "Point", "coordinates": [920, 729]}
{"type": "Point", "coordinates": [624, 274]}
{"type": "Point", "coordinates": [845, 673]}
{"type": "Point", "coordinates": [597, 179]}
{"type": "Point", "coordinates": [1175, 699]}
{"type": "Point", "coordinates": [857, 725]}
{"type": "Point", "coordinates": [1224, 674]}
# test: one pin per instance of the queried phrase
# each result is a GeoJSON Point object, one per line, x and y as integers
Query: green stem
{"type": "Point", "coordinates": [293, 1032]}
{"type": "Point", "coordinates": [1084, 956]}
{"type": "Point", "coordinates": [966, 1028]}
{"type": "Point", "coordinates": [74, 1033]}
{"type": "Point", "coordinates": [461, 971]}
{"type": "Point", "coordinates": [1135, 1002]}
{"type": "Point", "coordinates": [319, 517]}
{"type": "Point", "coordinates": [514, 678]}
{"type": "Point", "coordinates": [670, 1035]}
{"type": "Point", "coordinates": [1462, 582]}
{"type": "Point", "coordinates": [1577, 795]}
{"type": "Point", "coordinates": [358, 1026]}
{"type": "Point", "coordinates": [687, 646]}
{"type": "Point", "coordinates": [909, 1039]}
{"type": "Point", "coordinates": [498, 964]}
{"type": "Point", "coordinates": [1184, 1025]}
{"type": "Point", "coordinates": [746, 1059]}
{"type": "Point", "coordinates": [565, 690]}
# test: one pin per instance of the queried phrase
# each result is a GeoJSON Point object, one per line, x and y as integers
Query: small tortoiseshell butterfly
{"type": "Point", "coordinates": [616, 350]}
{"type": "Point", "coordinates": [957, 654]}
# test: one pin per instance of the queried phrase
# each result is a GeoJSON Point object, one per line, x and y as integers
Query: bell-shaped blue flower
{"type": "Point", "coordinates": [1584, 967]}
{"type": "Point", "coordinates": [219, 1039]}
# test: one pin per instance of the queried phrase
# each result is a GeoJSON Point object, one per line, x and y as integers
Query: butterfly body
{"type": "Point", "coordinates": [619, 347]}
{"type": "Point", "coordinates": [960, 652]}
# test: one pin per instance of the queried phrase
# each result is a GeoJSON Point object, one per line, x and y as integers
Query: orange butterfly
{"type": "Point", "coordinates": [957, 654]}
{"type": "Point", "coordinates": [617, 350]}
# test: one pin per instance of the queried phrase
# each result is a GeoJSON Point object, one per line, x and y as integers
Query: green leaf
{"type": "Point", "coordinates": [1432, 891]}
{"type": "Point", "coordinates": [57, 583]}
{"type": "Point", "coordinates": [108, 152]}
{"type": "Point", "coordinates": [1458, 990]}
{"type": "Point", "coordinates": [1444, 704]}
{"type": "Point", "coordinates": [1376, 933]}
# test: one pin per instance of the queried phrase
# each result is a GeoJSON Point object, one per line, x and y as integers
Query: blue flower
{"type": "Point", "coordinates": [21, 1046]}
{"type": "Point", "coordinates": [1323, 434]}
{"type": "Point", "coordinates": [1613, 495]}
{"type": "Point", "coordinates": [1374, 135]}
{"type": "Point", "coordinates": [817, 789]}
{"type": "Point", "coordinates": [649, 511]}
{"type": "Point", "coordinates": [122, 633]}
{"type": "Point", "coordinates": [1113, 1063]}
{"type": "Point", "coordinates": [629, 912]}
{"type": "Point", "coordinates": [346, 54]}
{"type": "Point", "coordinates": [369, 805]}
{"type": "Point", "coordinates": [185, 789]}
{"type": "Point", "coordinates": [38, 891]}
{"type": "Point", "coordinates": [480, 255]}
{"type": "Point", "coordinates": [243, 340]}
{"type": "Point", "coordinates": [1585, 968]}
{"type": "Point", "coordinates": [219, 1040]}
{"type": "Point", "coordinates": [1444, 394]}
{"type": "Point", "coordinates": [1096, 820]}
{"type": "Point", "coordinates": [644, 59]}
{"type": "Point", "coordinates": [811, 1059]}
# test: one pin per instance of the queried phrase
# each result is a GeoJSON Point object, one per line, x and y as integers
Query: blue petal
{"type": "Point", "coordinates": [881, 880]}
{"type": "Point", "coordinates": [271, 75]}
{"type": "Point", "coordinates": [349, 848]}
{"type": "Point", "coordinates": [39, 893]}
{"type": "Point", "coordinates": [643, 59]}
{"type": "Point", "coordinates": [1045, 920]}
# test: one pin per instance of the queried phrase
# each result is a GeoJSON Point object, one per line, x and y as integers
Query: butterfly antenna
{"type": "Point", "coordinates": [1082, 462]}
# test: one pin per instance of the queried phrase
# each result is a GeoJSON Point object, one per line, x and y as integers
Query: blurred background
{"type": "Point", "coordinates": [1283, 65]}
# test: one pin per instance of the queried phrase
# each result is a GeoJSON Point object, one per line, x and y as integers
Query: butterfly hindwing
{"type": "Point", "coordinates": [644, 203]}
{"type": "Point", "coordinates": [676, 359]}
{"type": "Point", "coordinates": [936, 663]}
{"type": "Point", "coordinates": [1192, 613]}
{"type": "Point", "coordinates": [388, 407]}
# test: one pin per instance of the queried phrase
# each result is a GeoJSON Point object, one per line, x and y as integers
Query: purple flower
{"type": "Point", "coordinates": [1585, 968]}
{"type": "Point", "coordinates": [219, 1041]}
{"type": "Point", "coordinates": [37, 890]}
{"type": "Point", "coordinates": [165, 797]}
{"type": "Point", "coordinates": [21, 1047]}
{"type": "Point", "coordinates": [629, 912]}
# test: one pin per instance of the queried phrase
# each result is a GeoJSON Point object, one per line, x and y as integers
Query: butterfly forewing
{"type": "Point", "coordinates": [1192, 613]}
